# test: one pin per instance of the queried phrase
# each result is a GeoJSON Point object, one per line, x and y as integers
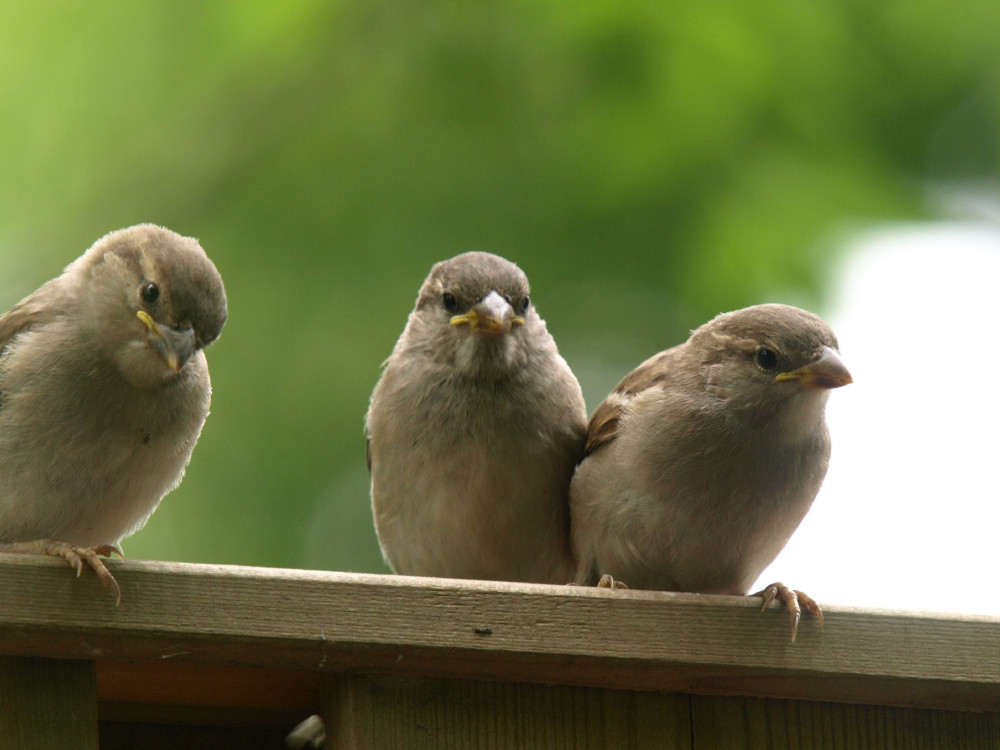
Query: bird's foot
{"type": "Point", "coordinates": [608, 582]}
{"type": "Point", "coordinates": [75, 556]}
{"type": "Point", "coordinates": [794, 600]}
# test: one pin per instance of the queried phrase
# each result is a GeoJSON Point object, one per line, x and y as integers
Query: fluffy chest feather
{"type": "Point", "coordinates": [85, 457]}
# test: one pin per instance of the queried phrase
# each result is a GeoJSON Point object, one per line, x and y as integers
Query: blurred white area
{"type": "Point", "coordinates": [909, 515]}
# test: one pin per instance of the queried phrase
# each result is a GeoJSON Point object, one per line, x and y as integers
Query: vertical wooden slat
{"type": "Point", "coordinates": [346, 712]}
{"type": "Point", "coordinates": [48, 703]}
{"type": "Point", "coordinates": [751, 723]}
{"type": "Point", "coordinates": [372, 712]}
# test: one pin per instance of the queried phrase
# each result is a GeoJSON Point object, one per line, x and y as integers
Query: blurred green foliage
{"type": "Point", "coordinates": [648, 164]}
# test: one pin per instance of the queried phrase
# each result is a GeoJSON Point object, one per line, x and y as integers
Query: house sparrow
{"type": "Point", "coordinates": [474, 430]}
{"type": "Point", "coordinates": [705, 458]}
{"type": "Point", "coordinates": [103, 392]}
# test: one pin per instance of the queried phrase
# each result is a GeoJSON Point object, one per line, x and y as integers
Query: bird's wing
{"type": "Point", "coordinates": [603, 427]}
{"type": "Point", "coordinates": [31, 311]}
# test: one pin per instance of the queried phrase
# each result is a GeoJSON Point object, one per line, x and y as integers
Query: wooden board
{"type": "Point", "coordinates": [414, 714]}
{"type": "Point", "coordinates": [737, 723]}
{"type": "Point", "coordinates": [47, 704]}
{"type": "Point", "coordinates": [265, 619]}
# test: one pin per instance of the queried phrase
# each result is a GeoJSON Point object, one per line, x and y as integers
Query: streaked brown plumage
{"type": "Point", "coordinates": [474, 430]}
{"type": "Point", "coordinates": [703, 460]}
{"type": "Point", "coordinates": [104, 389]}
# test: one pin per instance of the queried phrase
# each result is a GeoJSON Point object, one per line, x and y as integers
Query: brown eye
{"type": "Point", "coordinates": [766, 358]}
{"type": "Point", "coordinates": [150, 292]}
{"type": "Point", "coordinates": [449, 301]}
{"type": "Point", "coordinates": [525, 303]}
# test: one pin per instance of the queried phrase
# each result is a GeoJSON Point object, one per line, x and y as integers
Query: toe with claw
{"type": "Point", "coordinates": [794, 600]}
{"type": "Point", "coordinates": [608, 582]}
{"type": "Point", "coordinates": [75, 556]}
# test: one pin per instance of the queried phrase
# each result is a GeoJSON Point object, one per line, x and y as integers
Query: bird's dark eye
{"type": "Point", "coordinates": [150, 292]}
{"type": "Point", "coordinates": [525, 303]}
{"type": "Point", "coordinates": [766, 358]}
{"type": "Point", "coordinates": [450, 303]}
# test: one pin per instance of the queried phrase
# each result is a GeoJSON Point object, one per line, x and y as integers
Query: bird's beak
{"type": "Point", "coordinates": [826, 371]}
{"type": "Point", "coordinates": [492, 315]}
{"type": "Point", "coordinates": [174, 346]}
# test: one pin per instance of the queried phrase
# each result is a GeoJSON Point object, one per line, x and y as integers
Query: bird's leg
{"type": "Point", "coordinates": [794, 600]}
{"type": "Point", "coordinates": [608, 582]}
{"type": "Point", "coordinates": [75, 556]}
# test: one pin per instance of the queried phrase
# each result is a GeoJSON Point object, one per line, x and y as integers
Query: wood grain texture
{"type": "Point", "coordinates": [47, 704]}
{"type": "Point", "coordinates": [429, 628]}
{"type": "Point", "coordinates": [421, 714]}
{"type": "Point", "coordinates": [750, 723]}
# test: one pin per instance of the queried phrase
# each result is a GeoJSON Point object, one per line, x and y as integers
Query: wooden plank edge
{"type": "Point", "coordinates": [311, 620]}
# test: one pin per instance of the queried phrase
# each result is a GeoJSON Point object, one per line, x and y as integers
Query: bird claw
{"type": "Point", "coordinates": [95, 562]}
{"type": "Point", "coordinates": [608, 582]}
{"type": "Point", "coordinates": [76, 556]}
{"type": "Point", "coordinates": [794, 600]}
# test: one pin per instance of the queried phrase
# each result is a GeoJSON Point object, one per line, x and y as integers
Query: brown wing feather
{"type": "Point", "coordinates": [603, 427]}
{"type": "Point", "coordinates": [28, 312]}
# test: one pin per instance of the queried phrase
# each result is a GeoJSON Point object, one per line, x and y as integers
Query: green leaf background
{"type": "Point", "coordinates": [648, 165]}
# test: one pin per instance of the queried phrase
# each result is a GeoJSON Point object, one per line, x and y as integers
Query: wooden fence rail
{"type": "Point", "coordinates": [224, 656]}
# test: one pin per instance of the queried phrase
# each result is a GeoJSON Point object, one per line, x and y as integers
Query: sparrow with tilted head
{"type": "Point", "coordinates": [104, 390]}
{"type": "Point", "coordinates": [705, 458]}
{"type": "Point", "coordinates": [474, 430]}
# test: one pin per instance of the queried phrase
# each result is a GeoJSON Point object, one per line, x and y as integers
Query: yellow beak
{"type": "Point", "coordinates": [492, 315]}
{"type": "Point", "coordinates": [173, 345]}
{"type": "Point", "coordinates": [826, 371]}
